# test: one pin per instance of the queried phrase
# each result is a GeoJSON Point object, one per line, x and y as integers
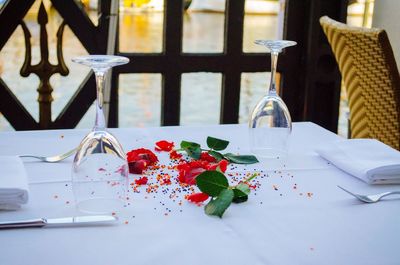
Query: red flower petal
{"type": "Point", "coordinates": [174, 155]}
{"type": "Point", "coordinates": [164, 146]}
{"type": "Point", "coordinates": [142, 154]}
{"type": "Point", "coordinates": [141, 181]}
{"type": "Point", "coordinates": [197, 197]}
{"type": "Point", "coordinates": [188, 171]}
{"type": "Point", "coordinates": [137, 167]}
{"type": "Point", "coordinates": [140, 159]}
{"type": "Point", "coordinates": [223, 164]}
{"type": "Point", "coordinates": [206, 157]}
{"type": "Point", "coordinates": [190, 176]}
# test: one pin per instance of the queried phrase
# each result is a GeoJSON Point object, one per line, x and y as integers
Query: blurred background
{"type": "Point", "coordinates": [140, 31]}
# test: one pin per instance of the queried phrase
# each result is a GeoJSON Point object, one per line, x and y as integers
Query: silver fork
{"type": "Point", "coordinates": [52, 159]}
{"type": "Point", "coordinates": [370, 198]}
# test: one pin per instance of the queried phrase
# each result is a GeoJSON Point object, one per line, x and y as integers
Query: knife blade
{"type": "Point", "coordinates": [60, 222]}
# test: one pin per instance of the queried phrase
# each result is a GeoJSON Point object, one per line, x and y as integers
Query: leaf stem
{"type": "Point", "coordinates": [250, 178]}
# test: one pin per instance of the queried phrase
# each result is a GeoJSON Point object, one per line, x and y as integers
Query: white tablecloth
{"type": "Point", "coordinates": [307, 220]}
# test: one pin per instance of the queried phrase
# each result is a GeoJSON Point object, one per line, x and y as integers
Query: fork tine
{"type": "Point", "coordinates": [52, 159]}
{"type": "Point", "coordinates": [349, 192]}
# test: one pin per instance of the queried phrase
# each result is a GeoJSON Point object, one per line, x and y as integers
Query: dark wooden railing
{"type": "Point", "coordinates": [310, 78]}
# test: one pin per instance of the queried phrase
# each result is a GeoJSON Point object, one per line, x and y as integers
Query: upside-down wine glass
{"type": "Point", "coordinates": [100, 169]}
{"type": "Point", "coordinates": [270, 124]}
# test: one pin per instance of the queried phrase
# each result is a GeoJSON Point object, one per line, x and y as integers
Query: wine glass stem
{"type": "Point", "coordinates": [100, 81]}
{"type": "Point", "coordinates": [274, 63]}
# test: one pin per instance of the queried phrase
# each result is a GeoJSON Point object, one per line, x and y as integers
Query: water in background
{"type": "Point", "coordinates": [140, 94]}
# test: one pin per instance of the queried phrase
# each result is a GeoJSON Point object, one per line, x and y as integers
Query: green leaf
{"type": "Point", "coordinates": [241, 159]}
{"type": "Point", "coordinates": [244, 188]}
{"type": "Point", "coordinates": [240, 199]}
{"type": "Point", "coordinates": [216, 155]}
{"type": "Point", "coordinates": [218, 205]}
{"type": "Point", "coordinates": [241, 192]}
{"type": "Point", "coordinates": [186, 144]}
{"type": "Point", "coordinates": [192, 149]}
{"type": "Point", "coordinates": [212, 182]}
{"type": "Point", "coordinates": [216, 144]}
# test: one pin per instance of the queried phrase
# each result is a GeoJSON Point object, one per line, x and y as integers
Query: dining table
{"type": "Point", "coordinates": [295, 213]}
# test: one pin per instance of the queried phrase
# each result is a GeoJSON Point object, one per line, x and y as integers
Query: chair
{"type": "Point", "coordinates": [371, 79]}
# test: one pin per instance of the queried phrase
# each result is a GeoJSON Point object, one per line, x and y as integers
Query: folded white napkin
{"type": "Point", "coordinates": [367, 159]}
{"type": "Point", "coordinates": [13, 183]}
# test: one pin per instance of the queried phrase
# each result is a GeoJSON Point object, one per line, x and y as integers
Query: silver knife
{"type": "Point", "coordinates": [65, 221]}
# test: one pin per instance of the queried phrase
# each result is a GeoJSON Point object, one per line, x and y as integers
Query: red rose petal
{"type": "Point", "coordinates": [164, 146]}
{"type": "Point", "coordinates": [174, 155]}
{"type": "Point", "coordinates": [141, 181]}
{"type": "Point", "coordinates": [223, 165]}
{"type": "Point", "coordinates": [142, 154]}
{"type": "Point", "coordinates": [188, 171]}
{"type": "Point", "coordinates": [197, 197]}
{"type": "Point", "coordinates": [207, 157]}
{"type": "Point", "coordinates": [137, 167]}
{"type": "Point", "coordinates": [140, 159]}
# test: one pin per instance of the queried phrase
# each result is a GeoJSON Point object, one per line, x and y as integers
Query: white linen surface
{"type": "Point", "coordinates": [296, 216]}
{"type": "Point", "coordinates": [367, 159]}
{"type": "Point", "coordinates": [301, 145]}
{"type": "Point", "coordinates": [13, 183]}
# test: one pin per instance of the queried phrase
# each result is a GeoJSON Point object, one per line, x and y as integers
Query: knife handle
{"type": "Point", "coordinates": [23, 223]}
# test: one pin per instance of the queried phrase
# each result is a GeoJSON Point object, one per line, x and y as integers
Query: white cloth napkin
{"type": "Point", "coordinates": [13, 183]}
{"type": "Point", "coordinates": [367, 159]}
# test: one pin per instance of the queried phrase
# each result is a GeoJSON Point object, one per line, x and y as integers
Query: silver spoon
{"type": "Point", "coordinates": [370, 198]}
{"type": "Point", "coordinates": [52, 159]}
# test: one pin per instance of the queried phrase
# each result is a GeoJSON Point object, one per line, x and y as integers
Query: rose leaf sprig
{"type": "Point", "coordinates": [213, 182]}
{"type": "Point", "coordinates": [216, 185]}
{"type": "Point", "coordinates": [215, 145]}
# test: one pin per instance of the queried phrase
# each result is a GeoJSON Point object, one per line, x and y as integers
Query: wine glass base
{"type": "Point", "coordinates": [269, 153]}
{"type": "Point", "coordinates": [100, 206]}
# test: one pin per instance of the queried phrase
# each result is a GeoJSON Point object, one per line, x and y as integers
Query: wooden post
{"type": "Point", "coordinates": [311, 78]}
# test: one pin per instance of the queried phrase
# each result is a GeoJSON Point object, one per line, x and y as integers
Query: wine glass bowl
{"type": "Point", "coordinates": [276, 45]}
{"type": "Point", "coordinates": [270, 123]}
{"type": "Point", "coordinates": [100, 61]}
{"type": "Point", "coordinates": [100, 170]}
{"type": "Point", "coordinates": [100, 174]}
